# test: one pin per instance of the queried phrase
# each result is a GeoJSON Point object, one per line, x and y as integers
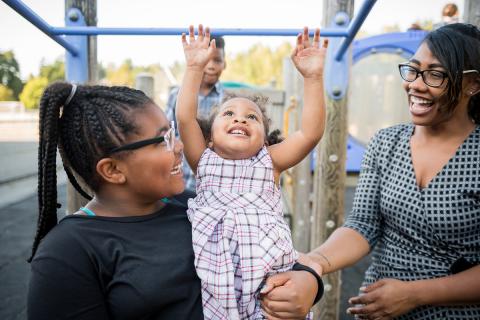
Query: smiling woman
{"type": "Point", "coordinates": [417, 202]}
{"type": "Point", "coordinates": [127, 254]}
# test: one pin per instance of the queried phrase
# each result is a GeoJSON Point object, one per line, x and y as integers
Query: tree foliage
{"type": "Point", "coordinates": [6, 94]}
{"type": "Point", "coordinates": [126, 73]}
{"type": "Point", "coordinates": [260, 65]}
{"type": "Point", "coordinates": [30, 96]}
{"type": "Point", "coordinates": [53, 72]}
{"type": "Point", "coordinates": [122, 75]}
{"type": "Point", "coordinates": [10, 73]}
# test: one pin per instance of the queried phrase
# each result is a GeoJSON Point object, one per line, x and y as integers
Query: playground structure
{"type": "Point", "coordinates": [74, 36]}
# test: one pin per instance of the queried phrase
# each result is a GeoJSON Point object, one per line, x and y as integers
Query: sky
{"type": "Point", "coordinates": [31, 46]}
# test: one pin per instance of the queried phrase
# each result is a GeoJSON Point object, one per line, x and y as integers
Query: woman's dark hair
{"type": "Point", "coordinates": [457, 47]}
{"type": "Point", "coordinates": [260, 100]}
{"type": "Point", "coordinates": [94, 121]}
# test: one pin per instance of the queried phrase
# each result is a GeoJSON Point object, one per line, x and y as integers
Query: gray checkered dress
{"type": "Point", "coordinates": [239, 235]}
{"type": "Point", "coordinates": [418, 233]}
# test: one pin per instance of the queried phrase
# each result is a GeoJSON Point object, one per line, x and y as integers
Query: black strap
{"type": "Point", "coordinates": [300, 267]}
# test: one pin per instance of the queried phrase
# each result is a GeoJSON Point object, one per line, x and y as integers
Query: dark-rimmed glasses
{"type": "Point", "coordinates": [168, 137]}
{"type": "Point", "coordinates": [432, 78]}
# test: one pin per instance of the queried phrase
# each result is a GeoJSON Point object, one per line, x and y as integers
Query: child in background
{"type": "Point", "coordinates": [239, 234]}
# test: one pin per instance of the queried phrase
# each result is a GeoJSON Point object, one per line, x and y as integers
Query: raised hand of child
{"type": "Point", "coordinates": [309, 58]}
{"type": "Point", "coordinates": [200, 50]}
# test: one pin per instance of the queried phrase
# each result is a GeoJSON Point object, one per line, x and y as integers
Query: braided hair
{"type": "Point", "coordinates": [94, 121]}
{"type": "Point", "coordinates": [261, 101]}
{"type": "Point", "coordinates": [457, 47]}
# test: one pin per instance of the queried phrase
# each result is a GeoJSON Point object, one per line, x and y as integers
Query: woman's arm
{"type": "Point", "coordinates": [309, 60]}
{"type": "Point", "coordinates": [344, 247]}
{"type": "Point", "coordinates": [290, 295]}
{"type": "Point", "coordinates": [197, 54]}
{"type": "Point", "coordinates": [389, 298]}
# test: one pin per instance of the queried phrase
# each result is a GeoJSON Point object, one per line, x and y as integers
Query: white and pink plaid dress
{"type": "Point", "coordinates": [239, 234]}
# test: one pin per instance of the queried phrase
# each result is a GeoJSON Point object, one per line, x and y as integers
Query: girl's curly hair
{"type": "Point", "coordinates": [260, 100]}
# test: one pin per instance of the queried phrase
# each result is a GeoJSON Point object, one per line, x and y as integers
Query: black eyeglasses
{"type": "Point", "coordinates": [168, 137]}
{"type": "Point", "coordinates": [432, 78]}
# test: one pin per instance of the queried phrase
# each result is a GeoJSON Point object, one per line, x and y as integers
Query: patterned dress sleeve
{"type": "Point", "coordinates": [365, 217]}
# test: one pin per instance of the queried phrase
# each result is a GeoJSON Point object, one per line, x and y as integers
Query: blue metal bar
{"type": "Point", "coordinates": [54, 32]}
{"type": "Point", "coordinates": [179, 31]}
{"type": "Point", "coordinates": [76, 67]}
{"type": "Point", "coordinates": [41, 24]}
{"type": "Point", "coordinates": [353, 28]}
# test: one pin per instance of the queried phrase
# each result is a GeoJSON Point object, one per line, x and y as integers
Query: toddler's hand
{"type": "Point", "coordinates": [309, 59]}
{"type": "Point", "coordinates": [198, 51]}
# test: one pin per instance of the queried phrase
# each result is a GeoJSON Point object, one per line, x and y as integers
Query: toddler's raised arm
{"type": "Point", "coordinates": [197, 54]}
{"type": "Point", "coordinates": [309, 59]}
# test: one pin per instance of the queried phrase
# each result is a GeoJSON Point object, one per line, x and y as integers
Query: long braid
{"type": "Point", "coordinates": [50, 105]}
{"type": "Point", "coordinates": [96, 120]}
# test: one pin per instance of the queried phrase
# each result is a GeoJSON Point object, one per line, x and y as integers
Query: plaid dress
{"type": "Point", "coordinates": [239, 235]}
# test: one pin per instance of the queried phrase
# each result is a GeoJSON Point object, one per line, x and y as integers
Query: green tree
{"type": "Point", "coordinates": [125, 74]}
{"type": "Point", "coordinates": [30, 96]}
{"type": "Point", "coordinates": [122, 75]}
{"type": "Point", "coordinates": [6, 94]}
{"type": "Point", "coordinates": [259, 65]}
{"type": "Point", "coordinates": [10, 73]}
{"type": "Point", "coordinates": [53, 72]}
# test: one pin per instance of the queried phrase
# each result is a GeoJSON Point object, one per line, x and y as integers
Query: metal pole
{"type": "Point", "coordinates": [41, 24]}
{"type": "Point", "coordinates": [81, 70]}
{"type": "Point", "coordinates": [178, 31]}
{"type": "Point", "coordinates": [330, 175]}
{"type": "Point", "coordinates": [300, 175]}
{"type": "Point", "coordinates": [53, 32]}
{"type": "Point", "coordinates": [354, 27]}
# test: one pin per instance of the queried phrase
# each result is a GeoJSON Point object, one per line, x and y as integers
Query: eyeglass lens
{"type": "Point", "coordinates": [432, 78]}
{"type": "Point", "coordinates": [170, 136]}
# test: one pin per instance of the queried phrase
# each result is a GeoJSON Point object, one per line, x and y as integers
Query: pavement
{"type": "Point", "coordinates": [17, 228]}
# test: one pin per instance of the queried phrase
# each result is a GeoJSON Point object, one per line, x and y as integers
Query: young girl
{"type": "Point", "coordinates": [239, 235]}
{"type": "Point", "coordinates": [126, 254]}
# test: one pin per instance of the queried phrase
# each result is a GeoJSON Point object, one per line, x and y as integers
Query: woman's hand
{"type": "Point", "coordinates": [288, 295]}
{"type": "Point", "coordinates": [384, 299]}
{"type": "Point", "coordinates": [308, 58]}
{"type": "Point", "coordinates": [198, 51]}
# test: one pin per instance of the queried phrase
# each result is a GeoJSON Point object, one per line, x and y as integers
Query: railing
{"type": "Point", "coordinates": [55, 32]}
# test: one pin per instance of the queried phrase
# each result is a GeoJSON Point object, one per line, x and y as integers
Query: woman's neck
{"type": "Point", "coordinates": [108, 206]}
{"type": "Point", "coordinates": [447, 130]}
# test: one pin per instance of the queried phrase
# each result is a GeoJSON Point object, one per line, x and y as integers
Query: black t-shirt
{"type": "Point", "coordinates": [117, 268]}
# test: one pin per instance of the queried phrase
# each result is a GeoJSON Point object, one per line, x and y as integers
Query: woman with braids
{"type": "Point", "coordinates": [126, 254]}
{"type": "Point", "coordinates": [417, 204]}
